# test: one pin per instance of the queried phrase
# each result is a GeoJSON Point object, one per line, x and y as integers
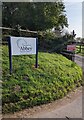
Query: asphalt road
{"type": "Point", "coordinates": [79, 60]}
{"type": "Point", "coordinates": [72, 109]}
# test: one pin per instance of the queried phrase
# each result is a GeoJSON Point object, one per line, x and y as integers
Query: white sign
{"type": "Point", "coordinates": [71, 47]}
{"type": "Point", "coordinates": [23, 45]}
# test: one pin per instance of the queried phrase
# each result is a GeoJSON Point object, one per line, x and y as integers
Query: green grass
{"type": "Point", "coordinates": [28, 86]}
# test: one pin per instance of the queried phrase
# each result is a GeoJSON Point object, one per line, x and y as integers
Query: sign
{"type": "Point", "coordinates": [23, 45]}
{"type": "Point", "coordinates": [71, 47]}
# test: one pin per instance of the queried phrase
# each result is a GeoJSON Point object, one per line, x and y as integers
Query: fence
{"type": "Point", "coordinates": [80, 49]}
{"type": "Point", "coordinates": [16, 32]}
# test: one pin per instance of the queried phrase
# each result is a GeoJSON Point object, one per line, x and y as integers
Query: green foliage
{"type": "Point", "coordinates": [34, 15]}
{"type": "Point", "coordinates": [50, 42]}
{"type": "Point", "coordinates": [28, 86]}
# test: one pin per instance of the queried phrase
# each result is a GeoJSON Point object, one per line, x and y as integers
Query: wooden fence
{"type": "Point", "coordinates": [16, 32]}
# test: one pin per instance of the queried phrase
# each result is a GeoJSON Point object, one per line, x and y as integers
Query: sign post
{"type": "Point", "coordinates": [36, 65]}
{"type": "Point", "coordinates": [10, 55]}
{"type": "Point", "coordinates": [22, 46]}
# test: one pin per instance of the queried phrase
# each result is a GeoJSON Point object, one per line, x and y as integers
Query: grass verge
{"type": "Point", "coordinates": [28, 86]}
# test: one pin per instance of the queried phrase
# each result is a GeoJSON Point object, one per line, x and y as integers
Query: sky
{"type": "Point", "coordinates": [74, 14]}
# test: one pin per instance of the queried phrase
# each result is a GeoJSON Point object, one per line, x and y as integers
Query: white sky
{"type": "Point", "coordinates": [74, 15]}
{"type": "Point", "coordinates": [73, 0]}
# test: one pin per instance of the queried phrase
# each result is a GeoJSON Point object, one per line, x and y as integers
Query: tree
{"type": "Point", "coordinates": [34, 16]}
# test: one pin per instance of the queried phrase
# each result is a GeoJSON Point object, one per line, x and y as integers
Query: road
{"type": "Point", "coordinates": [68, 107]}
{"type": "Point", "coordinates": [72, 109]}
{"type": "Point", "coordinates": [79, 60]}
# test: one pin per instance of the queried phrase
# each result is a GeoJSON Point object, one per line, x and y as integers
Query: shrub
{"type": "Point", "coordinates": [28, 86]}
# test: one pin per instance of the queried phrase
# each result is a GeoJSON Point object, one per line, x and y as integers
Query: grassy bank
{"type": "Point", "coordinates": [28, 86]}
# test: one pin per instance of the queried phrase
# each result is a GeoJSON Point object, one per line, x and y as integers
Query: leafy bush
{"type": "Point", "coordinates": [28, 86]}
{"type": "Point", "coordinates": [50, 42]}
